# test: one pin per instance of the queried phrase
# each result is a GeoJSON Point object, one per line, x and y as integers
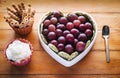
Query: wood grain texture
{"type": "Point", "coordinates": [59, 76]}
{"type": "Point", "coordinates": [105, 12]}
{"type": "Point", "coordinates": [42, 63]}
{"type": "Point", "coordinates": [69, 5]}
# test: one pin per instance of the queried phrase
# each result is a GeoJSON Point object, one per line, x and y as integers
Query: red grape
{"type": "Point", "coordinates": [69, 49]}
{"type": "Point", "coordinates": [53, 20]}
{"type": "Point", "coordinates": [47, 23]}
{"type": "Point", "coordinates": [75, 32]}
{"type": "Point", "coordinates": [59, 32]}
{"type": "Point", "coordinates": [76, 23]}
{"type": "Point", "coordinates": [62, 39]}
{"type": "Point", "coordinates": [61, 26]}
{"type": "Point", "coordinates": [82, 28]}
{"type": "Point", "coordinates": [54, 42]}
{"type": "Point", "coordinates": [45, 32]}
{"type": "Point", "coordinates": [70, 38]}
{"type": "Point", "coordinates": [72, 17]}
{"type": "Point", "coordinates": [69, 25]}
{"type": "Point", "coordinates": [57, 14]}
{"type": "Point", "coordinates": [88, 32]}
{"type": "Point", "coordinates": [51, 27]}
{"type": "Point", "coordinates": [63, 20]}
{"type": "Point", "coordinates": [60, 47]}
{"type": "Point", "coordinates": [51, 35]}
{"type": "Point", "coordinates": [82, 37]}
{"type": "Point", "coordinates": [66, 32]}
{"type": "Point", "coordinates": [80, 46]}
{"type": "Point", "coordinates": [82, 19]}
{"type": "Point", "coordinates": [88, 25]}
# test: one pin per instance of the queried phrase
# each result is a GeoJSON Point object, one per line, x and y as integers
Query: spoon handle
{"type": "Point", "coordinates": [107, 50]}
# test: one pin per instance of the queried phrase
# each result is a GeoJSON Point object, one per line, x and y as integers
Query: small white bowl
{"type": "Point", "coordinates": [77, 58]}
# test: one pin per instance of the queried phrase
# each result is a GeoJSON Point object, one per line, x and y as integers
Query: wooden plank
{"type": "Point", "coordinates": [8, 35]}
{"type": "Point", "coordinates": [59, 76]}
{"type": "Point", "coordinates": [84, 5]}
{"type": "Point", "coordinates": [101, 19]}
{"type": "Point", "coordinates": [42, 63]}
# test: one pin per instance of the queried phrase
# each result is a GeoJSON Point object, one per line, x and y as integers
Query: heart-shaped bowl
{"type": "Point", "coordinates": [61, 57]}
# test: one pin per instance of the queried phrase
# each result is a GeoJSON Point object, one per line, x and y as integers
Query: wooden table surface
{"type": "Point", "coordinates": [105, 12]}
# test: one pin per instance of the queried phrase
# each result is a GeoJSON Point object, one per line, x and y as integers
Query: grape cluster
{"type": "Point", "coordinates": [68, 33]}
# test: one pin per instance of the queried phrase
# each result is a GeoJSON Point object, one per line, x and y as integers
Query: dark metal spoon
{"type": "Point", "coordinates": [105, 34]}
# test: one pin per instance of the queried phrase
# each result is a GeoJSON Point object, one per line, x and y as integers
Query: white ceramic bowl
{"type": "Point", "coordinates": [80, 56]}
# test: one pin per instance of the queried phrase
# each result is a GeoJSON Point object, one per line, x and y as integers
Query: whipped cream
{"type": "Point", "coordinates": [18, 51]}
